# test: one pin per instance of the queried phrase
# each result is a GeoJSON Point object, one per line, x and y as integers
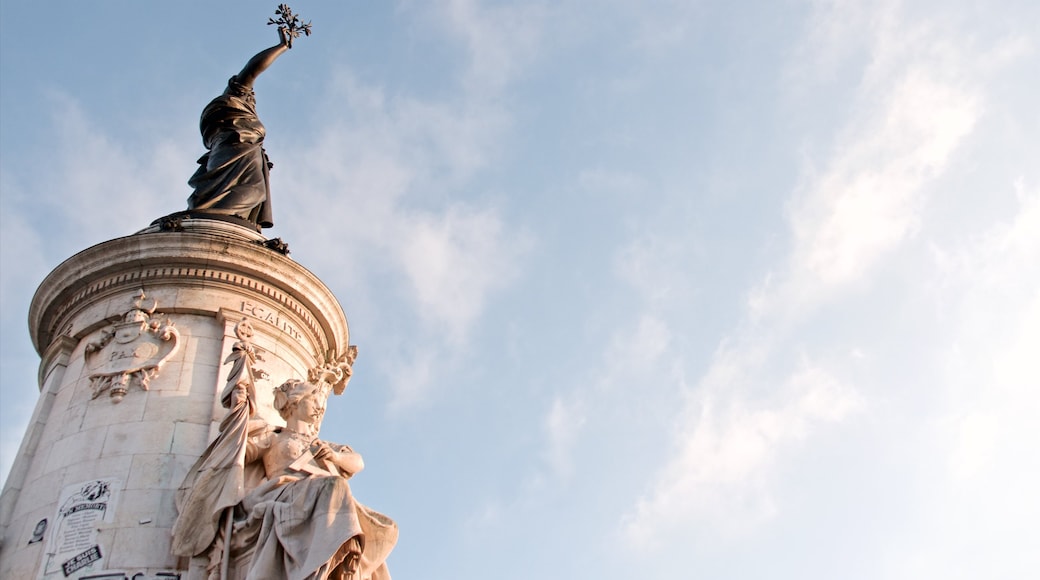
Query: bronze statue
{"type": "Point", "coordinates": [232, 178]}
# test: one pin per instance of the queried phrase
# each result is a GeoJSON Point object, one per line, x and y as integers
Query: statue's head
{"type": "Point", "coordinates": [296, 396]}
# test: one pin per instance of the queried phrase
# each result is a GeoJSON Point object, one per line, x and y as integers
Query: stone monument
{"type": "Point", "coordinates": [184, 374]}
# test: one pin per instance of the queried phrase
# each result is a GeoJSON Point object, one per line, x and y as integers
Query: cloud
{"type": "Point", "coordinates": [586, 420]}
{"type": "Point", "coordinates": [651, 263]}
{"type": "Point", "coordinates": [869, 197]}
{"type": "Point", "coordinates": [727, 444]}
{"type": "Point", "coordinates": [382, 173]}
{"type": "Point", "coordinates": [563, 423]}
{"type": "Point", "coordinates": [978, 441]}
{"type": "Point", "coordinates": [502, 41]}
{"type": "Point", "coordinates": [89, 183]}
{"type": "Point", "coordinates": [454, 261]}
{"type": "Point", "coordinates": [631, 360]}
{"type": "Point", "coordinates": [640, 350]}
{"type": "Point", "coordinates": [911, 112]}
{"type": "Point", "coordinates": [98, 185]}
{"type": "Point", "coordinates": [991, 287]}
{"type": "Point", "coordinates": [402, 175]}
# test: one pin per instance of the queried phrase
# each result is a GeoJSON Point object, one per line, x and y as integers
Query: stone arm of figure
{"type": "Point", "coordinates": [345, 459]}
{"type": "Point", "coordinates": [262, 60]}
{"type": "Point", "coordinates": [257, 446]}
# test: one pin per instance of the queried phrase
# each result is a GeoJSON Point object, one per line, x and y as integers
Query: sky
{"type": "Point", "coordinates": [642, 288]}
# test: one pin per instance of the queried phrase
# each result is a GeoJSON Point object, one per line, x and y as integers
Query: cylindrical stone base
{"type": "Point", "coordinates": [133, 334]}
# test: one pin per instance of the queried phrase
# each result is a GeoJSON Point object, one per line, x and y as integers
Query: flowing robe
{"type": "Point", "coordinates": [299, 522]}
{"type": "Point", "coordinates": [232, 178]}
{"type": "Point", "coordinates": [219, 478]}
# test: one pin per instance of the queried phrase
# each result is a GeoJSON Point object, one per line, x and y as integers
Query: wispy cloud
{"type": "Point", "coordinates": [563, 424]}
{"type": "Point", "coordinates": [1001, 266]}
{"type": "Point", "coordinates": [97, 185]}
{"type": "Point", "coordinates": [851, 211]}
{"type": "Point", "coordinates": [728, 443]}
{"type": "Point", "coordinates": [981, 434]}
{"type": "Point", "coordinates": [652, 264]}
{"type": "Point", "coordinates": [387, 166]}
{"type": "Point", "coordinates": [631, 359]}
{"type": "Point", "coordinates": [868, 198]}
{"type": "Point", "coordinates": [502, 41]}
{"type": "Point", "coordinates": [92, 185]}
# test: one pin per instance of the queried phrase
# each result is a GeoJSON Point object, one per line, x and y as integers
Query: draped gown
{"type": "Point", "coordinates": [232, 178]}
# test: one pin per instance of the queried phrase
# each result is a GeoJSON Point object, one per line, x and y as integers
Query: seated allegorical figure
{"type": "Point", "coordinates": [303, 517]}
{"type": "Point", "coordinates": [292, 512]}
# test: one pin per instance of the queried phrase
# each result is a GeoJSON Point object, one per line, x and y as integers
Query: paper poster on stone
{"type": "Point", "coordinates": [73, 549]}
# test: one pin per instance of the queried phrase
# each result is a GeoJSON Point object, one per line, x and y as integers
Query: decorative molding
{"type": "Point", "coordinates": [132, 351]}
{"type": "Point", "coordinates": [173, 273]}
{"type": "Point", "coordinates": [336, 371]}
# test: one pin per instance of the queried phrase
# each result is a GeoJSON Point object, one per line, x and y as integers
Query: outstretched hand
{"type": "Point", "coordinates": [289, 25]}
{"type": "Point", "coordinates": [323, 451]}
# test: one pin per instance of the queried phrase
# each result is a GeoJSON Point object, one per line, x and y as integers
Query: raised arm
{"type": "Point", "coordinates": [262, 60]}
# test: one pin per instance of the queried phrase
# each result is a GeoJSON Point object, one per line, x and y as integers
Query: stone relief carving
{"type": "Point", "coordinates": [243, 358]}
{"type": "Point", "coordinates": [269, 501]}
{"type": "Point", "coordinates": [132, 351]}
{"type": "Point", "coordinates": [336, 372]}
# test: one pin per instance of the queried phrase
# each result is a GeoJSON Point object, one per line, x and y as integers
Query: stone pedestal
{"type": "Point", "coordinates": [133, 334]}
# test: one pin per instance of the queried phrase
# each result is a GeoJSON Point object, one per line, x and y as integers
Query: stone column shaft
{"type": "Point", "coordinates": [167, 302]}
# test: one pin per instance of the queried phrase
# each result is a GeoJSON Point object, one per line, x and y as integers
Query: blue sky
{"type": "Point", "coordinates": [655, 289]}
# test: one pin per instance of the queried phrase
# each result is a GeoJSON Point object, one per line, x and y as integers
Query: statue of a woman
{"type": "Point", "coordinates": [232, 178]}
{"type": "Point", "coordinates": [292, 512]}
{"type": "Point", "coordinates": [303, 519]}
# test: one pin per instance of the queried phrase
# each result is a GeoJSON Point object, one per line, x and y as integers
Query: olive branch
{"type": "Point", "coordinates": [290, 23]}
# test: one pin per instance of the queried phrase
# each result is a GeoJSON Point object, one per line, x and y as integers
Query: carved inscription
{"type": "Point", "coordinates": [272, 317]}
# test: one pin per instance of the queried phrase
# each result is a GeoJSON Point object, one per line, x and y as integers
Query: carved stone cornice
{"type": "Point", "coordinates": [205, 255]}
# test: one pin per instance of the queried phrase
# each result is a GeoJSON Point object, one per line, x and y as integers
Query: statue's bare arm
{"type": "Point", "coordinates": [346, 459]}
{"type": "Point", "coordinates": [262, 60]}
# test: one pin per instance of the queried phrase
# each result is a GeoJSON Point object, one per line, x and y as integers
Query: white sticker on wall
{"type": "Point", "coordinates": [72, 548]}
